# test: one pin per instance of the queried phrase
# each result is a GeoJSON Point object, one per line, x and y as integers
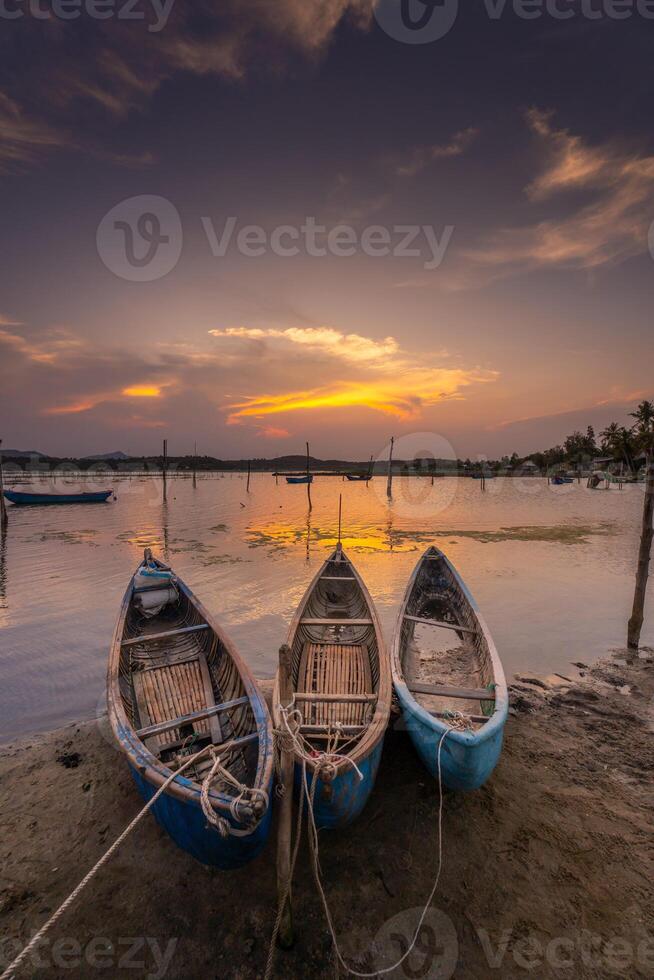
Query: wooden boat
{"type": "Point", "coordinates": [559, 481]}
{"type": "Point", "coordinates": [440, 631]}
{"type": "Point", "coordinates": [176, 684]}
{"type": "Point", "coordinates": [22, 499]}
{"type": "Point", "coordinates": [300, 479]}
{"type": "Point", "coordinates": [357, 476]}
{"type": "Point", "coordinates": [341, 683]}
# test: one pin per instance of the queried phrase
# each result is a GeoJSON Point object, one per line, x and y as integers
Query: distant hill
{"type": "Point", "coordinates": [117, 455]}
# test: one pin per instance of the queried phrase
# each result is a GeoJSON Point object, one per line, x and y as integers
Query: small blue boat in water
{"type": "Point", "coordinates": [300, 479]}
{"type": "Point", "coordinates": [24, 499]}
{"type": "Point", "coordinates": [559, 481]}
{"type": "Point", "coordinates": [341, 684]}
{"type": "Point", "coordinates": [448, 676]}
{"type": "Point", "coordinates": [177, 688]}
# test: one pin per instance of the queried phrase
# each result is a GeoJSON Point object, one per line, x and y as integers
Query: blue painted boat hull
{"type": "Point", "coordinates": [24, 499]}
{"type": "Point", "coordinates": [340, 802]}
{"type": "Point", "coordinates": [188, 827]}
{"type": "Point", "coordinates": [299, 479]}
{"type": "Point", "coordinates": [467, 758]}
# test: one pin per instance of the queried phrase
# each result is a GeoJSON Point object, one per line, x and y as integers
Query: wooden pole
{"type": "Point", "coordinates": [389, 484]}
{"type": "Point", "coordinates": [644, 552]}
{"type": "Point", "coordinates": [285, 937]}
{"type": "Point", "coordinates": [195, 462]}
{"type": "Point", "coordinates": [308, 480]}
{"type": "Point", "coordinates": [369, 471]}
{"type": "Point", "coordinates": [164, 465]}
{"type": "Point", "coordinates": [4, 520]}
{"type": "Point", "coordinates": [340, 507]}
{"type": "Point", "coordinates": [247, 485]}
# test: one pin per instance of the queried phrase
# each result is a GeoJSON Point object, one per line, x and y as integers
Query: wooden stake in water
{"type": "Point", "coordinates": [389, 484]}
{"type": "Point", "coordinates": [164, 465]}
{"type": "Point", "coordinates": [369, 471]}
{"type": "Point", "coordinates": [285, 809]}
{"type": "Point", "coordinates": [4, 520]}
{"type": "Point", "coordinates": [308, 478]}
{"type": "Point", "coordinates": [247, 485]}
{"type": "Point", "coordinates": [195, 463]}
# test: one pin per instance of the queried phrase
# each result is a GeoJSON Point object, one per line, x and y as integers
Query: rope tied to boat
{"type": "Point", "coordinates": [308, 793]}
{"type": "Point", "coordinates": [458, 720]}
{"type": "Point", "coordinates": [289, 739]}
{"type": "Point", "coordinates": [256, 797]}
{"type": "Point", "coordinates": [254, 793]}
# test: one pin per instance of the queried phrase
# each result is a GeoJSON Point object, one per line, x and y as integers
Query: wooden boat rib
{"type": "Point", "coordinates": [22, 498]}
{"type": "Point", "coordinates": [341, 682]}
{"type": "Point", "coordinates": [467, 679]}
{"type": "Point", "coordinates": [176, 684]}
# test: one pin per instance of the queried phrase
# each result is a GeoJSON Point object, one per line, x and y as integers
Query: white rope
{"type": "Point", "coordinates": [313, 840]}
{"type": "Point", "coordinates": [290, 738]}
{"type": "Point", "coordinates": [36, 938]}
{"type": "Point", "coordinates": [245, 794]}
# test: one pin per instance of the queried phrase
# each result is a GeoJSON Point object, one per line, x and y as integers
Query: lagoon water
{"type": "Point", "coordinates": [551, 569]}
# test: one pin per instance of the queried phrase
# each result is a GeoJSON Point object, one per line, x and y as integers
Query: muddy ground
{"type": "Point", "coordinates": [547, 871]}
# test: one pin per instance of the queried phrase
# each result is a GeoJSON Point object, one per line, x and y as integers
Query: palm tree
{"type": "Point", "coordinates": [619, 441]}
{"type": "Point", "coordinates": [643, 430]}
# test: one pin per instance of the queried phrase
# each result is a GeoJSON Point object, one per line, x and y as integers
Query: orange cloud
{"type": "Point", "coordinates": [270, 432]}
{"type": "Point", "coordinates": [404, 397]}
{"type": "Point", "coordinates": [142, 391]}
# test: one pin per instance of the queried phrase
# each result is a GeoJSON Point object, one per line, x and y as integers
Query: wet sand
{"type": "Point", "coordinates": [550, 864]}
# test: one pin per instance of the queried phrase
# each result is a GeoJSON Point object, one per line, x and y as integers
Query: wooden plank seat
{"type": "Point", "coordinates": [437, 622]}
{"type": "Point", "coordinates": [446, 691]}
{"type": "Point", "coordinates": [315, 621]}
{"type": "Point", "coordinates": [334, 685]}
{"type": "Point", "coordinates": [166, 726]}
{"type": "Point", "coordinates": [171, 692]}
{"type": "Point", "coordinates": [152, 637]}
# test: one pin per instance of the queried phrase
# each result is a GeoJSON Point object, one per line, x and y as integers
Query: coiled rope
{"type": "Point", "coordinates": [287, 738]}
{"type": "Point", "coordinates": [217, 768]}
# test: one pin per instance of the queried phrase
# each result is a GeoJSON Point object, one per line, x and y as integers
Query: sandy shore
{"type": "Point", "coordinates": [550, 865]}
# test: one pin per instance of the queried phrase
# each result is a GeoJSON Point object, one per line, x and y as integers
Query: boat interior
{"type": "Point", "coordinates": [444, 654]}
{"type": "Point", "coordinates": [181, 688]}
{"type": "Point", "coordinates": [335, 660]}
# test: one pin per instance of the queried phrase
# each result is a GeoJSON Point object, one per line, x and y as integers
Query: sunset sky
{"type": "Point", "coordinates": [524, 146]}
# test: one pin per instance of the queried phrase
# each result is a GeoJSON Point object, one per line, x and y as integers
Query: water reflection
{"type": "Point", "coordinates": [552, 572]}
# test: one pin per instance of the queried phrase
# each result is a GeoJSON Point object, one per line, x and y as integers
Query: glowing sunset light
{"type": "Point", "coordinates": [403, 398]}
{"type": "Point", "coordinates": [142, 391]}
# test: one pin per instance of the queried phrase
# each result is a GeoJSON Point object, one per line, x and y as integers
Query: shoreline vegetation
{"type": "Point", "coordinates": [616, 452]}
{"type": "Point", "coordinates": [561, 831]}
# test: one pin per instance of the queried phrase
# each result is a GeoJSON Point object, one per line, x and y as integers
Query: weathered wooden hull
{"type": "Point", "coordinates": [341, 620]}
{"type": "Point", "coordinates": [178, 809]}
{"type": "Point", "coordinates": [299, 479]}
{"type": "Point", "coordinates": [468, 757]}
{"type": "Point", "coordinates": [26, 499]}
